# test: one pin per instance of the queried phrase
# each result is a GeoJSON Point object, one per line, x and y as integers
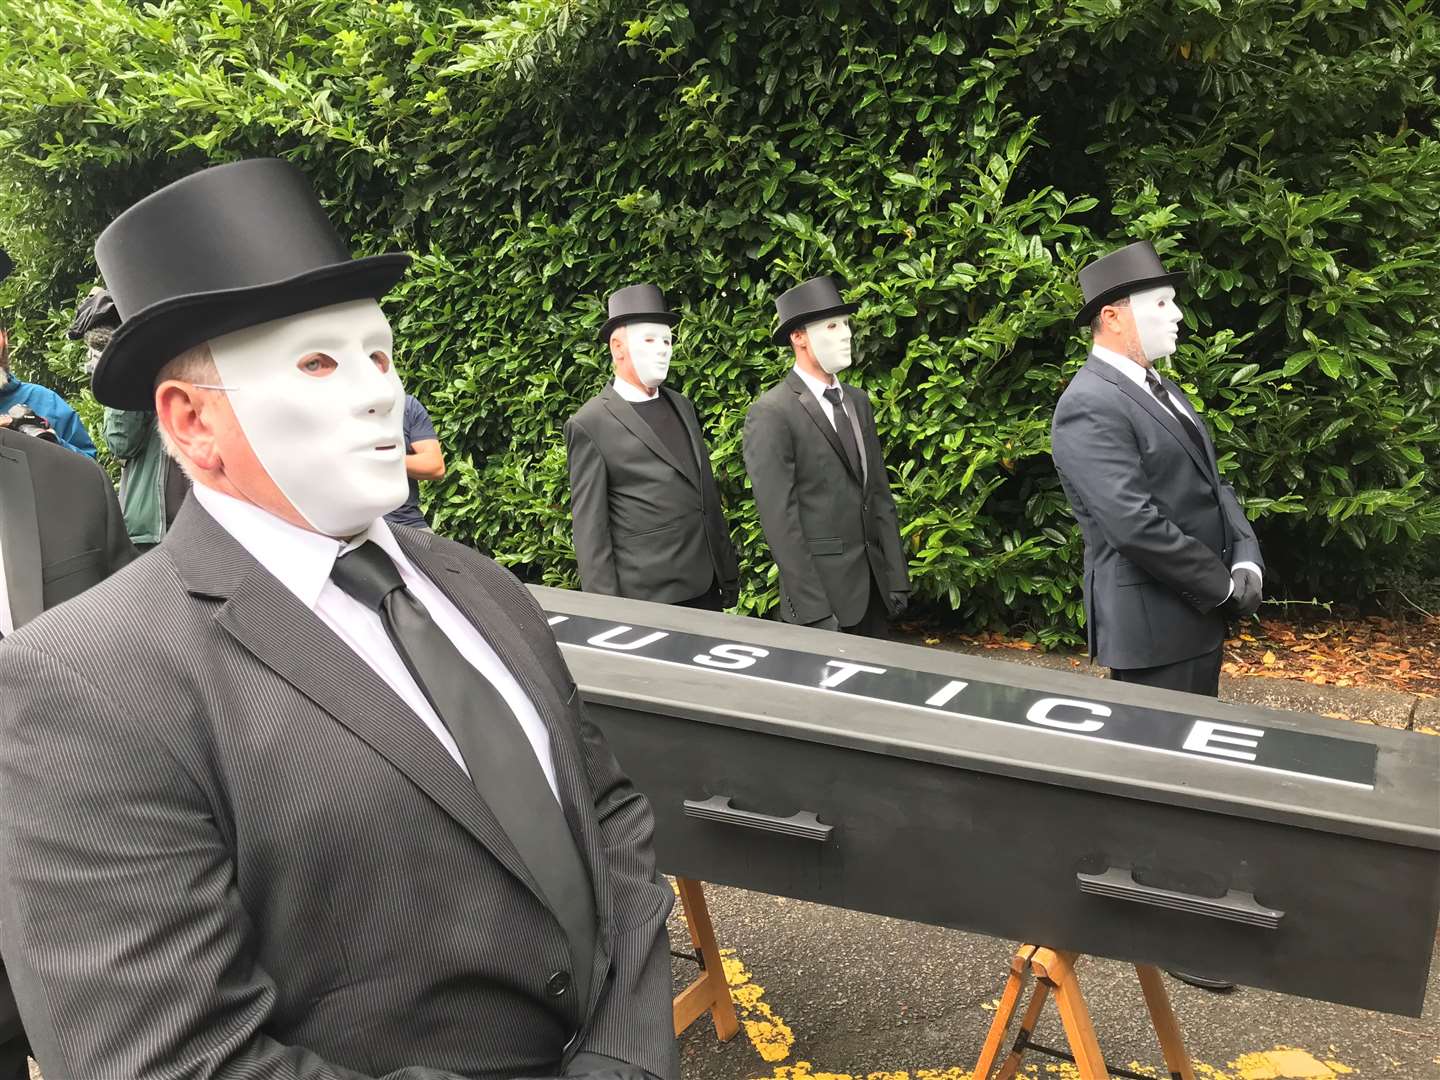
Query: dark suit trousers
{"type": "Point", "coordinates": [876, 621]}
{"type": "Point", "coordinates": [1198, 675]}
{"type": "Point", "coordinates": [706, 601]}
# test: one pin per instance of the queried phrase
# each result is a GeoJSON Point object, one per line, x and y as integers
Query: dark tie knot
{"type": "Point", "coordinates": [367, 574]}
{"type": "Point", "coordinates": [834, 396]}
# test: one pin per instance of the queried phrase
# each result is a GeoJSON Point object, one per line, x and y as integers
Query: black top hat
{"type": "Point", "coordinates": [1132, 268]}
{"type": "Point", "coordinates": [96, 310]}
{"type": "Point", "coordinates": [636, 303]}
{"type": "Point", "coordinates": [808, 302]}
{"type": "Point", "coordinates": [227, 248]}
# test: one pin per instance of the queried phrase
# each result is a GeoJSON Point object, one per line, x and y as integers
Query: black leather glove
{"type": "Point", "coordinates": [829, 622]}
{"type": "Point", "coordinates": [1245, 598]}
{"type": "Point", "coordinates": [899, 601]}
{"type": "Point", "coordinates": [589, 1066]}
{"type": "Point", "coordinates": [728, 597]}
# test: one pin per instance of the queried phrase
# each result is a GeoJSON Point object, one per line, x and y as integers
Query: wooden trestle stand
{"type": "Point", "coordinates": [1054, 972]}
{"type": "Point", "coordinates": [710, 992]}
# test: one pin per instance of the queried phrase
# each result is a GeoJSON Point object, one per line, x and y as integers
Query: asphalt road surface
{"type": "Point", "coordinates": [826, 994]}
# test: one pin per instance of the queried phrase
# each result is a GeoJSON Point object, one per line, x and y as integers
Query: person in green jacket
{"type": "Point", "coordinates": [152, 486]}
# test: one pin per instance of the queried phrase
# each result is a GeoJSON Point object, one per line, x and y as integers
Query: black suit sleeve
{"type": "Point", "coordinates": [590, 512]}
{"type": "Point", "coordinates": [887, 521]}
{"type": "Point", "coordinates": [1246, 547]}
{"type": "Point", "coordinates": [729, 568]}
{"type": "Point", "coordinates": [1097, 451]}
{"type": "Point", "coordinates": [770, 461]}
{"type": "Point", "coordinates": [123, 932]}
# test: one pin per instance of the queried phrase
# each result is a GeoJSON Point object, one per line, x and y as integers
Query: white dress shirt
{"type": "Point", "coordinates": [818, 388]}
{"type": "Point", "coordinates": [302, 561]}
{"type": "Point", "coordinates": [1136, 374]}
{"type": "Point", "coordinates": [630, 392]}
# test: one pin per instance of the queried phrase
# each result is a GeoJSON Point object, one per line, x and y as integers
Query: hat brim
{"type": "Point", "coordinates": [782, 335]}
{"type": "Point", "coordinates": [1092, 307]}
{"type": "Point", "coordinates": [669, 318]}
{"type": "Point", "coordinates": [152, 337]}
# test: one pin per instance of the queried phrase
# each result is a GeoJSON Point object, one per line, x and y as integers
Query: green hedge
{"type": "Point", "coordinates": [954, 162]}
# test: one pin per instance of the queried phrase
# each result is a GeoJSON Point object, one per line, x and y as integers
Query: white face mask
{"type": "Point", "coordinates": [650, 346]}
{"type": "Point", "coordinates": [830, 342]}
{"type": "Point", "coordinates": [1157, 321]}
{"type": "Point", "coordinates": [318, 398]}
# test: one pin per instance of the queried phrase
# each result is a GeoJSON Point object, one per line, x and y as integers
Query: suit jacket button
{"type": "Point", "coordinates": [558, 983]}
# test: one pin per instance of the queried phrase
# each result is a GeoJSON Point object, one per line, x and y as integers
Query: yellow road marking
{"type": "Point", "coordinates": [774, 1040]}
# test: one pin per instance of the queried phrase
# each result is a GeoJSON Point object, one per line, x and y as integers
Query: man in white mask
{"type": "Point", "coordinates": [349, 803]}
{"type": "Point", "coordinates": [1168, 551]}
{"type": "Point", "coordinates": [815, 464]}
{"type": "Point", "coordinates": [647, 518]}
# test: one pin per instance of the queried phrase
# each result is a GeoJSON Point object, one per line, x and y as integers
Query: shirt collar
{"type": "Point", "coordinates": [630, 392]}
{"type": "Point", "coordinates": [299, 559]}
{"type": "Point", "coordinates": [1123, 364]}
{"type": "Point", "coordinates": [817, 387]}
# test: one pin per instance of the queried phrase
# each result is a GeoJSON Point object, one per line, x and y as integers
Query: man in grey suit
{"type": "Point", "coordinates": [647, 517]}
{"type": "Point", "coordinates": [299, 794]}
{"type": "Point", "coordinates": [61, 532]}
{"type": "Point", "coordinates": [818, 473]}
{"type": "Point", "coordinates": [1168, 551]}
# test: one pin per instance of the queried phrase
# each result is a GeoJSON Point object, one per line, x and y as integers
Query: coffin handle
{"type": "Point", "coordinates": [803, 824]}
{"type": "Point", "coordinates": [1118, 883]}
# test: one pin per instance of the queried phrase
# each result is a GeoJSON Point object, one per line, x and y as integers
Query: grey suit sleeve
{"type": "Point", "coordinates": [118, 549]}
{"type": "Point", "coordinates": [590, 512]}
{"type": "Point", "coordinates": [1097, 451]}
{"type": "Point", "coordinates": [770, 461]}
{"type": "Point", "coordinates": [1247, 547]}
{"type": "Point", "coordinates": [632, 1021]}
{"type": "Point", "coordinates": [123, 935]}
{"type": "Point", "coordinates": [887, 519]}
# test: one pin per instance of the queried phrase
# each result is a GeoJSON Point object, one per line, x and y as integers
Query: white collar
{"type": "Point", "coordinates": [299, 559]}
{"type": "Point", "coordinates": [1123, 364]}
{"type": "Point", "coordinates": [817, 387]}
{"type": "Point", "coordinates": [630, 392]}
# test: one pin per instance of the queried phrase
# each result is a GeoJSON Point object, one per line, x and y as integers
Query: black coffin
{"type": "Point", "coordinates": [1273, 849]}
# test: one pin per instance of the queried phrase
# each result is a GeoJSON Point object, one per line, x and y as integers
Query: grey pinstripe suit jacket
{"type": "Point", "coordinates": [231, 851]}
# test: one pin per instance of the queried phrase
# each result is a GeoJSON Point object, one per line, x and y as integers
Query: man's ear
{"type": "Point", "coordinates": [799, 339]}
{"type": "Point", "coordinates": [181, 411]}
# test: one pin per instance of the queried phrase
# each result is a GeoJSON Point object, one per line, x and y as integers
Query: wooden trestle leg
{"type": "Point", "coordinates": [1054, 973]}
{"type": "Point", "coordinates": [710, 992]}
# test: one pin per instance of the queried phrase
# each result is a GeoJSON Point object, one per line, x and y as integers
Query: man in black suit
{"type": "Point", "coordinates": [1168, 551]}
{"type": "Point", "coordinates": [299, 794]}
{"type": "Point", "coordinates": [647, 517]}
{"type": "Point", "coordinates": [818, 472]}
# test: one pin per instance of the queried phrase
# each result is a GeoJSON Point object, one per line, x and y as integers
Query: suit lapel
{"type": "Point", "coordinates": [1162, 415]}
{"type": "Point", "coordinates": [812, 409]}
{"type": "Point", "coordinates": [852, 409]}
{"type": "Point", "coordinates": [1179, 395]}
{"type": "Point", "coordinates": [691, 423]}
{"type": "Point", "coordinates": [20, 535]}
{"type": "Point", "coordinates": [267, 619]}
{"type": "Point", "coordinates": [488, 616]}
{"type": "Point", "coordinates": [623, 411]}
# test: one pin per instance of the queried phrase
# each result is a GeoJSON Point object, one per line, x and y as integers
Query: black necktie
{"type": "Point", "coordinates": [497, 752]}
{"type": "Point", "coordinates": [836, 397]}
{"type": "Point", "coordinates": [1153, 382]}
